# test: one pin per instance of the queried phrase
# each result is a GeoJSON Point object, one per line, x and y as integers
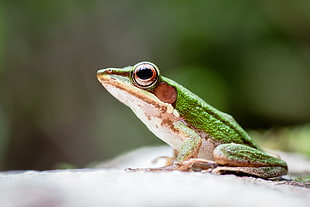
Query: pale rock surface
{"type": "Point", "coordinates": [112, 186]}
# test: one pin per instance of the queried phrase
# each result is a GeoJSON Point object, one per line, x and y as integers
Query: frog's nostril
{"type": "Point", "coordinates": [108, 71]}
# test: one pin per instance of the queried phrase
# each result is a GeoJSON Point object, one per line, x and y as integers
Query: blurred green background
{"type": "Point", "coordinates": [248, 58]}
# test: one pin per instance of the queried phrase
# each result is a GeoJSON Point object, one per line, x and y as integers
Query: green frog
{"type": "Point", "coordinates": [203, 138]}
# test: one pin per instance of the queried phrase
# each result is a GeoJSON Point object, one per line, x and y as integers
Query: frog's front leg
{"type": "Point", "coordinates": [191, 143]}
{"type": "Point", "coordinates": [184, 158]}
{"type": "Point", "coordinates": [242, 159]}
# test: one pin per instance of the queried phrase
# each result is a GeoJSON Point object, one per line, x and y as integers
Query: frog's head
{"type": "Point", "coordinates": [150, 97]}
{"type": "Point", "coordinates": [141, 81]}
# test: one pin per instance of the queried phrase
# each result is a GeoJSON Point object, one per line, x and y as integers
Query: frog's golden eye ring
{"type": "Point", "coordinates": [145, 75]}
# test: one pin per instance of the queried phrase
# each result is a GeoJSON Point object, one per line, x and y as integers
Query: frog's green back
{"type": "Point", "coordinates": [220, 126]}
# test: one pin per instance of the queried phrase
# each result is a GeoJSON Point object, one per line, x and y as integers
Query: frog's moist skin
{"type": "Point", "coordinates": [193, 128]}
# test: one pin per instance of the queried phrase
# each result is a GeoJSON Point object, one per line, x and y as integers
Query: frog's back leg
{"type": "Point", "coordinates": [237, 158]}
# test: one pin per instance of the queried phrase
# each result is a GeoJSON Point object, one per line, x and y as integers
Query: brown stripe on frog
{"type": "Point", "coordinates": [170, 124]}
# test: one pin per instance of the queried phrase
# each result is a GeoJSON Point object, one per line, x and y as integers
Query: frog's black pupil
{"type": "Point", "coordinates": [144, 73]}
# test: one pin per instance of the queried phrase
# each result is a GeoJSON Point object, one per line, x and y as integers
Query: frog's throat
{"type": "Point", "coordinates": [158, 116]}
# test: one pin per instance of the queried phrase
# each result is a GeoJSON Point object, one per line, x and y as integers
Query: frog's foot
{"type": "Point", "coordinates": [193, 164]}
{"type": "Point", "coordinates": [196, 164]}
{"type": "Point", "coordinates": [159, 169]}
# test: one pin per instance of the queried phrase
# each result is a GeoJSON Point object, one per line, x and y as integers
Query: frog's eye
{"type": "Point", "coordinates": [145, 75]}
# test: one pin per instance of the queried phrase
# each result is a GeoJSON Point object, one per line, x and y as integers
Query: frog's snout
{"type": "Point", "coordinates": [102, 72]}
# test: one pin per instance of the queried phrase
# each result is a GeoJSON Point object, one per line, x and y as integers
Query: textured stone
{"type": "Point", "coordinates": [116, 187]}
